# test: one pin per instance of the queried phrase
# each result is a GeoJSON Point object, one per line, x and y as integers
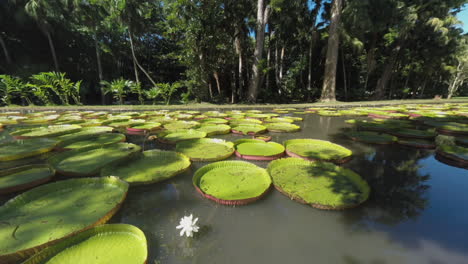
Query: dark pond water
{"type": "Point", "coordinates": [417, 213]}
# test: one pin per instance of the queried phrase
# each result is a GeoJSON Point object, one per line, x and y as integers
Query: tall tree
{"type": "Point", "coordinates": [329, 78]}
{"type": "Point", "coordinates": [263, 12]}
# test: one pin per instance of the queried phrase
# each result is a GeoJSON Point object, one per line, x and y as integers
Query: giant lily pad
{"type": "Point", "coordinates": [322, 185]}
{"type": "Point", "coordinates": [414, 133]}
{"type": "Point", "coordinates": [172, 137]}
{"type": "Point", "coordinates": [181, 125]}
{"type": "Point", "coordinates": [213, 129]}
{"type": "Point", "coordinates": [89, 161]}
{"type": "Point", "coordinates": [20, 149]}
{"type": "Point", "coordinates": [206, 149]}
{"type": "Point", "coordinates": [46, 214]}
{"type": "Point", "coordinates": [253, 149]}
{"type": "Point", "coordinates": [453, 155]}
{"type": "Point", "coordinates": [248, 129]}
{"type": "Point", "coordinates": [83, 134]}
{"type": "Point", "coordinates": [115, 243]}
{"type": "Point", "coordinates": [151, 167]}
{"type": "Point", "coordinates": [282, 127]}
{"type": "Point", "coordinates": [453, 128]}
{"type": "Point", "coordinates": [417, 143]}
{"type": "Point", "coordinates": [47, 131]}
{"type": "Point", "coordinates": [371, 137]}
{"type": "Point", "coordinates": [232, 182]}
{"type": "Point", "coordinates": [314, 149]}
{"type": "Point", "coordinates": [97, 140]}
{"type": "Point", "coordinates": [24, 177]}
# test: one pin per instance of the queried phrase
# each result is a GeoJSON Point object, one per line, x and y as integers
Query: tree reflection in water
{"type": "Point", "coordinates": [398, 190]}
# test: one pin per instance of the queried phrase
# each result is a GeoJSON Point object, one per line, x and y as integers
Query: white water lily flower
{"type": "Point", "coordinates": [188, 226]}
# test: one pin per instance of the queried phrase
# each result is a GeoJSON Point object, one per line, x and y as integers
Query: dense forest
{"type": "Point", "coordinates": [229, 51]}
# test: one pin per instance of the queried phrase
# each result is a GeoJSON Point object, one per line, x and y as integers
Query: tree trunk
{"type": "Point", "coordinates": [281, 63]}
{"type": "Point", "coordinates": [240, 77]}
{"type": "Point", "coordinates": [52, 49]}
{"type": "Point", "coordinates": [329, 82]}
{"type": "Point", "coordinates": [456, 82]}
{"type": "Point", "coordinates": [135, 60]}
{"type": "Point", "coordinates": [386, 75]}
{"type": "Point", "coordinates": [262, 18]}
{"type": "Point", "coordinates": [210, 89]}
{"type": "Point", "coordinates": [343, 65]}
{"type": "Point", "coordinates": [99, 65]}
{"type": "Point", "coordinates": [5, 50]}
{"type": "Point", "coordinates": [218, 85]}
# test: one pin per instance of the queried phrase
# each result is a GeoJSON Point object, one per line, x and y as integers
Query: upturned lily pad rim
{"type": "Point", "coordinates": [26, 185]}
{"type": "Point", "coordinates": [34, 193]}
{"type": "Point", "coordinates": [294, 161]}
{"type": "Point", "coordinates": [200, 172]}
{"type": "Point", "coordinates": [218, 141]}
{"type": "Point", "coordinates": [290, 153]}
{"type": "Point", "coordinates": [46, 254]}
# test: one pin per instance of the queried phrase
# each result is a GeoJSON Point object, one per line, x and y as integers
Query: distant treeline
{"type": "Point", "coordinates": [230, 51]}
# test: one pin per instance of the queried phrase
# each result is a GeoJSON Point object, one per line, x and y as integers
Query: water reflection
{"type": "Point", "coordinates": [398, 189]}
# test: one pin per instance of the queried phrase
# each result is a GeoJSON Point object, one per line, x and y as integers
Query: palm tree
{"type": "Point", "coordinates": [42, 11]}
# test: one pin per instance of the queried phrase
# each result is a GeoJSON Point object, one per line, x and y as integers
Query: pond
{"type": "Point", "coordinates": [416, 212]}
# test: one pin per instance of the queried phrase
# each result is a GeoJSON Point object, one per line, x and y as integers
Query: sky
{"type": "Point", "coordinates": [463, 16]}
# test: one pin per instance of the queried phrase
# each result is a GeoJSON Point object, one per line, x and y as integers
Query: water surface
{"type": "Point", "coordinates": [416, 213]}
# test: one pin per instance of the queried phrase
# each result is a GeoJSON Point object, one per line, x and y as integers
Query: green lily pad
{"type": "Point", "coordinates": [150, 167]}
{"type": "Point", "coordinates": [46, 214]}
{"type": "Point", "coordinates": [24, 177]}
{"type": "Point", "coordinates": [115, 243]}
{"type": "Point", "coordinates": [83, 134]}
{"type": "Point", "coordinates": [322, 185]}
{"type": "Point", "coordinates": [46, 131]}
{"type": "Point", "coordinates": [314, 149]}
{"type": "Point", "coordinates": [232, 182]}
{"type": "Point", "coordinates": [371, 137]}
{"type": "Point", "coordinates": [176, 125]}
{"type": "Point", "coordinates": [414, 133]}
{"type": "Point", "coordinates": [89, 161]}
{"type": "Point", "coordinates": [417, 143]}
{"type": "Point", "coordinates": [214, 121]}
{"type": "Point", "coordinates": [213, 129]}
{"type": "Point", "coordinates": [453, 128]}
{"type": "Point", "coordinates": [249, 129]}
{"type": "Point", "coordinates": [282, 127]}
{"type": "Point", "coordinates": [97, 140]}
{"type": "Point", "coordinates": [172, 137]}
{"type": "Point", "coordinates": [20, 149]}
{"type": "Point", "coordinates": [454, 154]}
{"type": "Point", "coordinates": [253, 149]}
{"type": "Point", "coordinates": [206, 149]}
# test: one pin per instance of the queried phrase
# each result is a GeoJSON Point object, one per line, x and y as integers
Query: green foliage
{"type": "Point", "coordinates": [45, 83]}
{"type": "Point", "coordinates": [119, 88]}
{"type": "Point", "coordinates": [10, 87]}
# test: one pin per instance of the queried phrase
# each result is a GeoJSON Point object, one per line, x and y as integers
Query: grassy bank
{"type": "Point", "coordinates": [235, 106]}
